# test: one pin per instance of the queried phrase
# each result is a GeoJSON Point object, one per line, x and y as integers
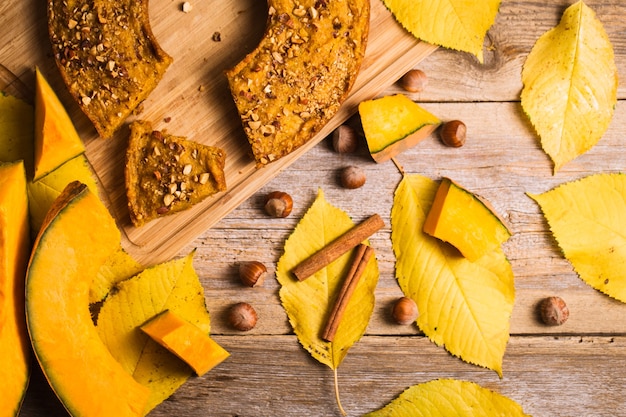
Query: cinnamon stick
{"type": "Point", "coordinates": [338, 247]}
{"type": "Point", "coordinates": [359, 263]}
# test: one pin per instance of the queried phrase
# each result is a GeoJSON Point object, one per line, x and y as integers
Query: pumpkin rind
{"type": "Point", "coordinates": [77, 236]}
{"type": "Point", "coordinates": [56, 139]}
{"type": "Point", "coordinates": [393, 124]}
{"type": "Point", "coordinates": [186, 341]}
{"type": "Point", "coordinates": [464, 220]}
{"type": "Point", "coordinates": [14, 251]}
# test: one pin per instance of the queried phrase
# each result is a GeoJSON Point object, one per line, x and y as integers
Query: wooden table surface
{"type": "Point", "coordinates": [578, 369]}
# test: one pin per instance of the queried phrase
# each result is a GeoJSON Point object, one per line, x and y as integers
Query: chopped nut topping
{"type": "Point", "coordinates": [168, 199]}
{"type": "Point", "coordinates": [306, 62]}
{"type": "Point", "coordinates": [187, 169]}
{"type": "Point", "coordinates": [299, 11]}
{"type": "Point", "coordinates": [254, 125]}
{"type": "Point", "coordinates": [204, 177]}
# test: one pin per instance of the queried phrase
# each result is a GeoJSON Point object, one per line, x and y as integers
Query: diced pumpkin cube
{"type": "Point", "coordinates": [393, 124]}
{"type": "Point", "coordinates": [464, 220]}
{"type": "Point", "coordinates": [56, 139]}
{"type": "Point", "coordinates": [186, 341]}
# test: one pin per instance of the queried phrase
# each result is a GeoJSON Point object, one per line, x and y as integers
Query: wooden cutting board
{"type": "Point", "coordinates": [193, 100]}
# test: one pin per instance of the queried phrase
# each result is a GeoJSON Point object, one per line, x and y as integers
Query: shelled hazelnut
{"type": "Point", "coordinates": [404, 311]}
{"type": "Point", "coordinates": [252, 273]}
{"type": "Point", "coordinates": [352, 177]}
{"type": "Point", "coordinates": [414, 81]}
{"type": "Point", "coordinates": [242, 316]}
{"type": "Point", "coordinates": [453, 133]}
{"type": "Point", "coordinates": [344, 139]}
{"type": "Point", "coordinates": [553, 311]}
{"type": "Point", "coordinates": [278, 204]}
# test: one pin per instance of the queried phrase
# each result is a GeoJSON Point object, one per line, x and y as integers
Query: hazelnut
{"type": "Point", "coordinates": [252, 273]}
{"type": "Point", "coordinates": [453, 133]}
{"type": "Point", "coordinates": [352, 177]}
{"type": "Point", "coordinates": [414, 81]}
{"type": "Point", "coordinates": [278, 204]}
{"type": "Point", "coordinates": [344, 139]}
{"type": "Point", "coordinates": [554, 311]}
{"type": "Point", "coordinates": [242, 316]}
{"type": "Point", "coordinates": [404, 311]}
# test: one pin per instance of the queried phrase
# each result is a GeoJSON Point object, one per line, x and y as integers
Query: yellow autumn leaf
{"type": "Point", "coordinates": [119, 267]}
{"type": "Point", "coordinates": [17, 143]}
{"type": "Point", "coordinates": [465, 306]}
{"type": "Point", "coordinates": [173, 286]}
{"type": "Point", "coordinates": [43, 192]}
{"type": "Point", "coordinates": [588, 220]}
{"type": "Point", "coordinates": [454, 24]}
{"type": "Point", "coordinates": [309, 302]}
{"type": "Point", "coordinates": [17, 129]}
{"type": "Point", "coordinates": [570, 85]}
{"type": "Point", "coordinates": [449, 397]}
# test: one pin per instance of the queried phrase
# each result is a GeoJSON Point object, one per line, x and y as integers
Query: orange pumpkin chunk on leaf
{"type": "Point", "coordinates": [465, 221]}
{"type": "Point", "coordinates": [186, 341]}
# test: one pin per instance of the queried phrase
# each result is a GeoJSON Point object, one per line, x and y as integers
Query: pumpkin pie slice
{"type": "Point", "coordinates": [295, 80]}
{"type": "Point", "coordinates": [166, 174]}
{"type": "Point", "coordinates": [107, 55]}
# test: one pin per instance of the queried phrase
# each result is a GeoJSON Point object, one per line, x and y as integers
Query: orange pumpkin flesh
{"type": "Point", "coordinates": [394, 124]}
{"type": "Point", "coordinates": [56, 139]}
{"type": "Point", "coordinates": [14, 251]}
{"type": "Point", "coordinates": [465, 221]}
{"type": "Point", "coordinates": [186, 341]}
{"type": "Point", "coordinates": [77, 236]}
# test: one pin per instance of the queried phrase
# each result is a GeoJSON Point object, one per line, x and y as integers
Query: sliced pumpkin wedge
{"type": "Point", "coordinates": [56, 139]}
{"type": "Point", "coordinates": [77, 236]}
{"type": "Point", "coordinates": [14, 251]}
{"type": "Point", "coordinates": [393, 124]}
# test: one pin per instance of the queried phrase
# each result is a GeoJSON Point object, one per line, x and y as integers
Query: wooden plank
{"type": "Point", "coordinates": [574, 370]}
{"type": "Point", "coordinates": [455, 76]}
{"type": "Point", "coordinates": [275, 376]}
{"type": "Point", "coordinates": [194, 97]}
{"type": "Point", "coordinates": [500, 165]}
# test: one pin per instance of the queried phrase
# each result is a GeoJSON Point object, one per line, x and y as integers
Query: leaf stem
{"type": "Point", "coordinates": [397, 164]}
{"type": "Point", "coordinates": [343, 412]}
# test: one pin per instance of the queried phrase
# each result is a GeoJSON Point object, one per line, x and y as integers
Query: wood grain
{"type": "Point", "coordinates": [578, 369]}
{"type": "Point", "coordinates": [194, 97]}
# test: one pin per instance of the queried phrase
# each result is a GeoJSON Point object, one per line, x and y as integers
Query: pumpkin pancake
{"type": "Point", "coordinates": [167, 174]}
{"type": "Point", "coordinates": [305, 65]}
{"type": "Point", "coordinates": [107, 55]}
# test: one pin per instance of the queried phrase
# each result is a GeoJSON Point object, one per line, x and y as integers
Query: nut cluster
{"type": "Point", "coordinates": [453, 133]}
{"type": "Point", "coordinates": [352, 177]}
{"type": "Point", "coordinates": [173, 181]}
{"type": "Point", "coordinates": [553, 311]}
{"type": "Point", "coordinates": [404, 311]}
{"type": "Point", "coordinates": [252, 273]}
{"type": "Point", "coordinates": [344, 139]}
{"type": "Point", "coordinates": [242, 317]}
{"type": "Point", "coordinates": [278, 204]}
{"type": "Point", "coordinates": [414, 81]}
